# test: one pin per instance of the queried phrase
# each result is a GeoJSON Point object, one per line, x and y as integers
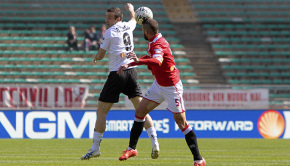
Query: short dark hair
{"type": "Point", "coordinates": [118, 12]}
{"type": "Point", "coordinates": [151, 26]}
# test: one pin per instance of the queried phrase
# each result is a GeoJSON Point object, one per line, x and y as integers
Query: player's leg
{"type": "Point", "coordinates": [144, 108]}
{"type": "Point", "coordinates": [190, 138]}
{"type": "Point", "coordinates": [109, 95]}
{"type": "Point", "coordinates": [102, 111]}
{"type": "Point", "coordinates": [148, 120]}
{"type": "Point", "coordinates": [100, 127]}
{"type": "Point", "coordinates": [151, 131]}
{"type": "Point", "coordinates": [149, 126]}
{"type": "Point", "coordinates": [151, 100]}
{"type": "Point", "coordinates": [134, 93]}
{"type": "Point", "coordinates": [173, 96]}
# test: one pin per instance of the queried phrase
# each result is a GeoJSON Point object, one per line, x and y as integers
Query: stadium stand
{"type": "Point", "coordinates": [250, 40]}
{"type": "Point", "coordinates": [231, 44]}
{"type": "Point", "coordinates": [33, 48]}
{"type": "Point", "coordinates": [244, 44]}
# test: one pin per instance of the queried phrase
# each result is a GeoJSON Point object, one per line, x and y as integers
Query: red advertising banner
{"type": "Point", "coordinates": [42, 96]}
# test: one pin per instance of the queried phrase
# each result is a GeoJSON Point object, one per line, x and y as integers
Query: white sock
{"type": "Point", "coordinates": [186, 130]}
{"type": "Point", "coordinates": [97, 138]}
{"type": "Point", "coordinates": [153, 136]}
{"type": "Point", "coordinates": [139, 119]}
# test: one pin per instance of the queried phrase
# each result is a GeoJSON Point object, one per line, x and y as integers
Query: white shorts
{"type": "Point", "coordinates": [172, 94]}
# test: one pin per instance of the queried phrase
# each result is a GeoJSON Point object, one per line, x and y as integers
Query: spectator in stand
{"type": "Point", "coordinates": [72, 41]}
{"type": "Point", "coordinates": [90, 41]}
{"type": "Point", "coordinates": [100, 35]}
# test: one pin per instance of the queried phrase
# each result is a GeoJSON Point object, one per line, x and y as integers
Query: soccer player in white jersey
{"type": "Point", "coordinates": [118, 41]}
{"type": "Point", "coordinates": [167, 86]}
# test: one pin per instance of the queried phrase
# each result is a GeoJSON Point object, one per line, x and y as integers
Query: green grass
{"type": "Point", "coordinates": [217, 152]}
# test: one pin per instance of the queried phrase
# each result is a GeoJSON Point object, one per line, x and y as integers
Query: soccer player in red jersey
{"type": "Point", "coordinates": [167, 86]}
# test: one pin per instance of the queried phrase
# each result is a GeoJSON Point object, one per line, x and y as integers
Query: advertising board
{"type": "Point", "coordinates": [206, 123]}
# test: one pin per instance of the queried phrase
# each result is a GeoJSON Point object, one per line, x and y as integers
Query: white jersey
{"type": "Point", "coordinates": [118, 41]}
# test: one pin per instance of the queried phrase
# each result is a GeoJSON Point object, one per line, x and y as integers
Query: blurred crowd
{"type": "Point", "coordinates": [92, 38]}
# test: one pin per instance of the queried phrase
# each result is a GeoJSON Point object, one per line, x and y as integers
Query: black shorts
{"type": "Point", "coordinates": [126, 83]}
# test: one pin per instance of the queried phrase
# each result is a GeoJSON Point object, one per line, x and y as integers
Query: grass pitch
{"type": "Point", "coordinates": [174, 152]}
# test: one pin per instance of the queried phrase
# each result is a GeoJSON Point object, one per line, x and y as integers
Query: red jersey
{"type": "Point", "coordinates": [160, 61]}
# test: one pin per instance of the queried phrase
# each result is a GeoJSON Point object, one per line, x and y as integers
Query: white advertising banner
{"type": "Point", "coordinates": [221, 99]}
{"type": "Point", "coordinates": [226, 99]}
{"type": "Point", "coordinates": [43, 96]}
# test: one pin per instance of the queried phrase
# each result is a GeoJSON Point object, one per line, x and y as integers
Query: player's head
{"type": "Point", "coordinates": [149, 28]}
{"type": "Point", "coordinates": [113, 16]}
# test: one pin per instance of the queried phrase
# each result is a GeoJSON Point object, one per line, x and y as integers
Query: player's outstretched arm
{"type": "Point", "coordinates": [130, 8]}
{"type": "Point", "coordinates": [121, 68]}
{"type": "Point", "coordinates": [100, 55]}
{"type": "Point", "coordinates": [133, 56]}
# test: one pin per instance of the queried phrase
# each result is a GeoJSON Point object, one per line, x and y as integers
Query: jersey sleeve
{"type": "Point", "coordinates": [132, 24]}
{"type": "Point", "coordinates": [147, 61]}
{"type": "Point", "coordinates": [145, 57]}
{"type": "Point", "coordinates": [106, 41]}
{"type": "Point", "coordinates": [157, 53]}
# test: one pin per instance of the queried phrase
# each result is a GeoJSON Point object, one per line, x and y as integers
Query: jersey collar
{"type": "Point", "coordinates": [155, 38]}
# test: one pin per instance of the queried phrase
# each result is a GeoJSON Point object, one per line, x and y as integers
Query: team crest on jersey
{"type": "Point", "coordinates": [122, 55]}
{"type": "Point", "coordinates": [149, 53]}
{"type": "Point", "coordinates": [146, 94]}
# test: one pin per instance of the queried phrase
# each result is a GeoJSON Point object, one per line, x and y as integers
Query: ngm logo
{"type": "Point", "coordinates": [46, 124]}
{"type": "Point", "coordinates": [271, 124]}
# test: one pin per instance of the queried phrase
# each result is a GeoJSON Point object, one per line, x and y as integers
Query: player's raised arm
{"type": "Point", "coordinates": [130, 8]}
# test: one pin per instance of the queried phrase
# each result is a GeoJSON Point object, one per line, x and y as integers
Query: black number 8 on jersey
{"type": "Point", "coordinates": [127, 41]}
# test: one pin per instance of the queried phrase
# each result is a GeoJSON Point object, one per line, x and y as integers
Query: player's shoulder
{"type": "Point", "coordinates": [160, 42]}
{"type": "Point", "coordinates": [108, 33]}
{"type": "Point", "coordinates": [163, 42]}
{"type": "Point", "coordinates": [118, 28]}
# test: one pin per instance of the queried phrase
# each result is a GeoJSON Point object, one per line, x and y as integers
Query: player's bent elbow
{"type": "Point", "coordinates": [98, 58]}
